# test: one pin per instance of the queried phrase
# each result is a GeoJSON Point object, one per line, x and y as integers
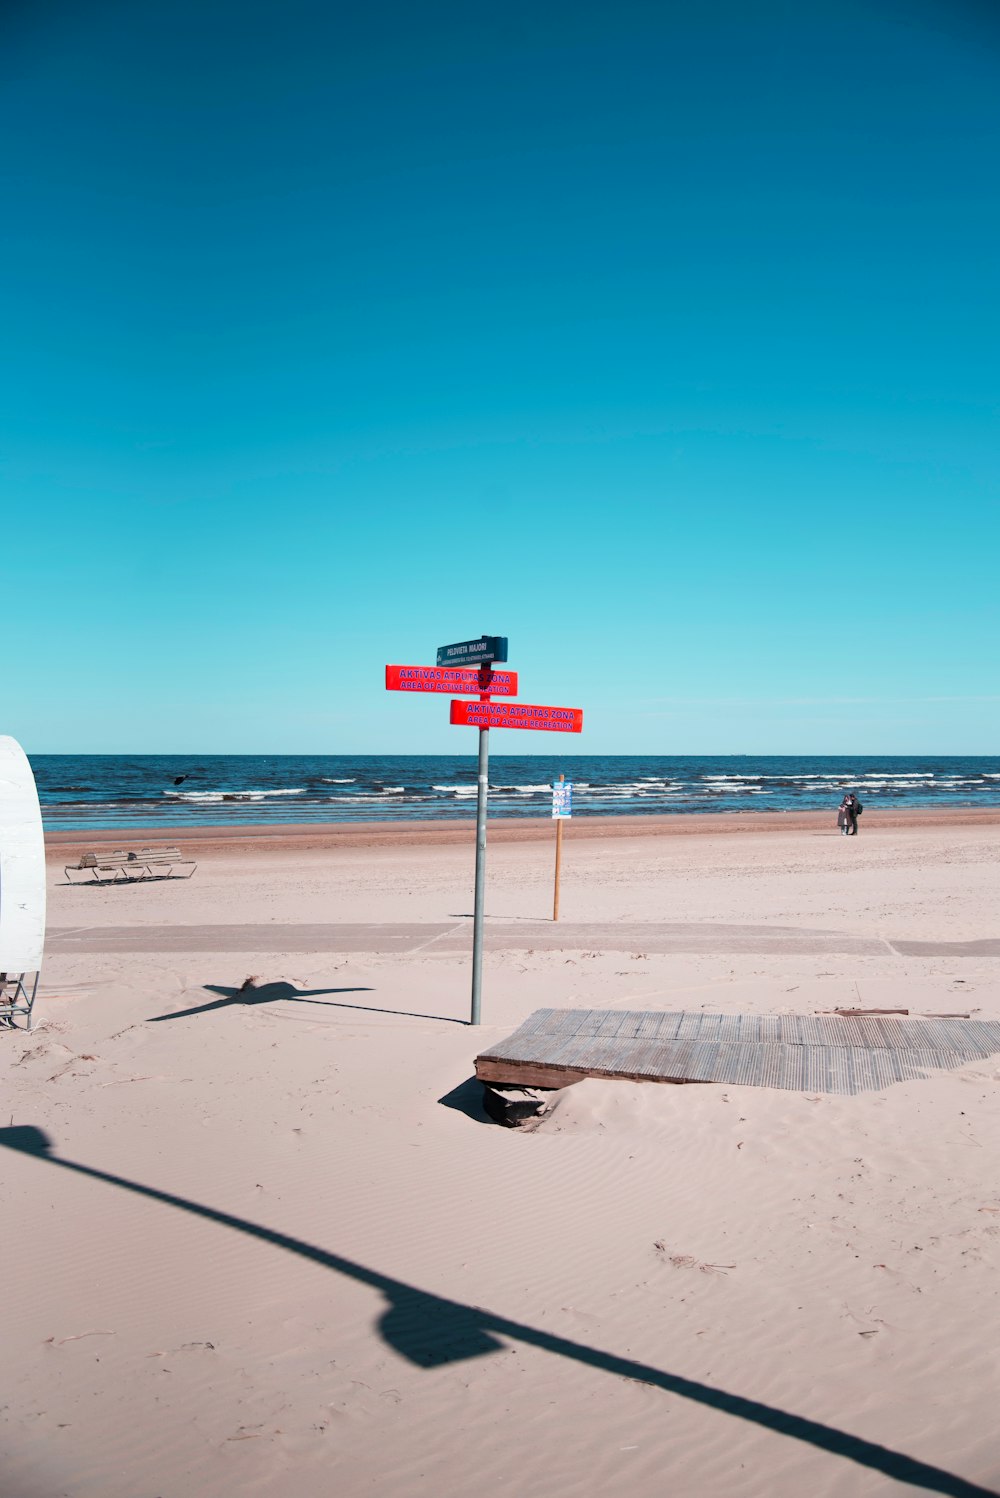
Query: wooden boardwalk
{"type": "Point", "coordinates": [814, 1053]}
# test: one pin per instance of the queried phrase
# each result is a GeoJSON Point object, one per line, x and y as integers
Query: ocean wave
{"type": "Point", "coordinates": [359, 797]}
{"type": "Point", "coordinates": [595, 796]}
{"type": "Point", "coordinates": [651, 787]}
{"type": "Point", "coordinates": [336, 780]}
{"type": "Point", "coordinates": [147, 808]}
{"type": "Point", "coordinates": [783, 779]}
{"type": "Point", "coordinates": [247, 795]}
{"type": "Point", "coordinates": [644, 787]}
{"type": "Point", "coordinates": [632, 792]}
{"type": "Point", "coordinates": [898, 785]}
{"type": "Point", "coordinates": [791, 779]}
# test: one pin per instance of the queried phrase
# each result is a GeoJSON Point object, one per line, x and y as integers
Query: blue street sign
{"type": "Point", "coordinates": [562, 799]}
{"type": "Point", "coordinates": [473, 652]}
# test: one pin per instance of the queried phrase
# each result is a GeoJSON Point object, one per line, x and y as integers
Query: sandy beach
{"type": "Point", "coordinates": [270, 1243]}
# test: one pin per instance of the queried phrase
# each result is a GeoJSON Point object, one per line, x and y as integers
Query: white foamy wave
{"type": "Point", "coordinates": [737, 777]}
{"type": "Point", "coordinates": [899, 774]}
{"type": "Point", "coordinates": [248, 795]}
{"type": "Point", "coordinates": [627, 792]}
{"type": "Point", "coordinates": [457, 790]}
{"type": "Point", "coordinates": [195, 795]}
{"type": "Point", "coordinates": [597, 794]}
{"type": "Point", "coordinates": [635, 787]}
{"type": "Point", "coordinates": [336, 780]}
{"type": "Point", "coordinates": [795, 777]}
{"type": "Point", "coordinates": [758, 778]}
{"type": "Point", "coordinates": [114, 807]}
{"type": "Point", "coordinates": [364, 796]}
{"type": "Point", "coordinates": [899, 785]}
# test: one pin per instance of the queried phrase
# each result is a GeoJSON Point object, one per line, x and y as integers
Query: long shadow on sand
{"type": "Point", "coordinates": [266, 994]}
{"type": "Point", "coordinates": [431, 1331]}
{"type": "Point", "coordinates": [269, 993]}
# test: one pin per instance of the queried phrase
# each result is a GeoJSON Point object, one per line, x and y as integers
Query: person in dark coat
{"type": "Point", "coordinates": [847, 815]}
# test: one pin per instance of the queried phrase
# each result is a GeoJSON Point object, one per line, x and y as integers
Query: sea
{"type": "Point", "coordinates": [94, 791]}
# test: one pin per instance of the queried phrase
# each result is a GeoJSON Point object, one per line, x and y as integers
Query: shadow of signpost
{"type": "Point", "coordinates": [247, 995]}
{"type": "Point", "coordinates": [432, 1331]}
{"type": "Point", "coordinates": [270, 993]}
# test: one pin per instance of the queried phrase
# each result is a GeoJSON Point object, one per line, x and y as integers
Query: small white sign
{"type": "Point", "coordinates": [562, 799]}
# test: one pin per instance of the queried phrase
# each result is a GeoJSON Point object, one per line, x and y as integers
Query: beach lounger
{"type": "Point", "coordinates": [125, 865]}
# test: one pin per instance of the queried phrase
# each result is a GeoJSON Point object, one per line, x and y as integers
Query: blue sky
{"type": "Point", "coordinates": [660, 338]}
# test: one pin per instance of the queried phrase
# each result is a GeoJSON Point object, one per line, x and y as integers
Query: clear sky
{"type": "Point", "coordinates": [660, 337]}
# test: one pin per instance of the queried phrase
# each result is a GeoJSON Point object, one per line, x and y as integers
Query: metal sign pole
{"type": "Point", "coordinates": [477, 922]}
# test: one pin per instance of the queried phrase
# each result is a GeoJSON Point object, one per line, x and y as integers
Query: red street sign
{"type": "Point", "coordinates": [450, 679]}
{"type": "Point", "coordinates": [517, 715]}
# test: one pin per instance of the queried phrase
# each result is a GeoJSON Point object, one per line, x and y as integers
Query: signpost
{"type": "Point", "coordinates": [562, 810]}
{"type": "Point", "coordinates": [482, 652]}
{"type": "Point", "coordinates": [452, 674]}
{"type": "Point", "coordinates": [450, 679]}
{"type": "Point", "coordinates": [473, 652]}
{"type": "Point", "coordinates": [517, 715]}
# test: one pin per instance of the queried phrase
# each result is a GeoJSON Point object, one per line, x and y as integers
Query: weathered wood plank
{"type": "Point", "coordinates": [820, 1053]}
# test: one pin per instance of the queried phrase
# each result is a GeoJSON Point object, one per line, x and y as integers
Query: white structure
{"type": "Point", "coordinates": [22, 883]}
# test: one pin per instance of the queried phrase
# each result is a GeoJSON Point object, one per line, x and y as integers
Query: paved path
{"type": "Point", "coordinates": [456, 937]}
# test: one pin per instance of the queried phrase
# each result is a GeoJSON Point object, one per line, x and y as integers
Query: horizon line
{"type": "Point", "coordinates": [524, 754]}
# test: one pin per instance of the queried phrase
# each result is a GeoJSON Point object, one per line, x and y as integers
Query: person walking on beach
{"type": "Point", "coordinates": [847, 814]}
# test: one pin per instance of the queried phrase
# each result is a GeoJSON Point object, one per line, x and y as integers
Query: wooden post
{"type": "Point", "coordinates": [555, 896]}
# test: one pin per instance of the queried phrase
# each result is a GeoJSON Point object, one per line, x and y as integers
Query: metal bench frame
{"type": "Point", "coordinates": [17, 997]}
{"type": "Point", "coordinates": [129, 865]}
